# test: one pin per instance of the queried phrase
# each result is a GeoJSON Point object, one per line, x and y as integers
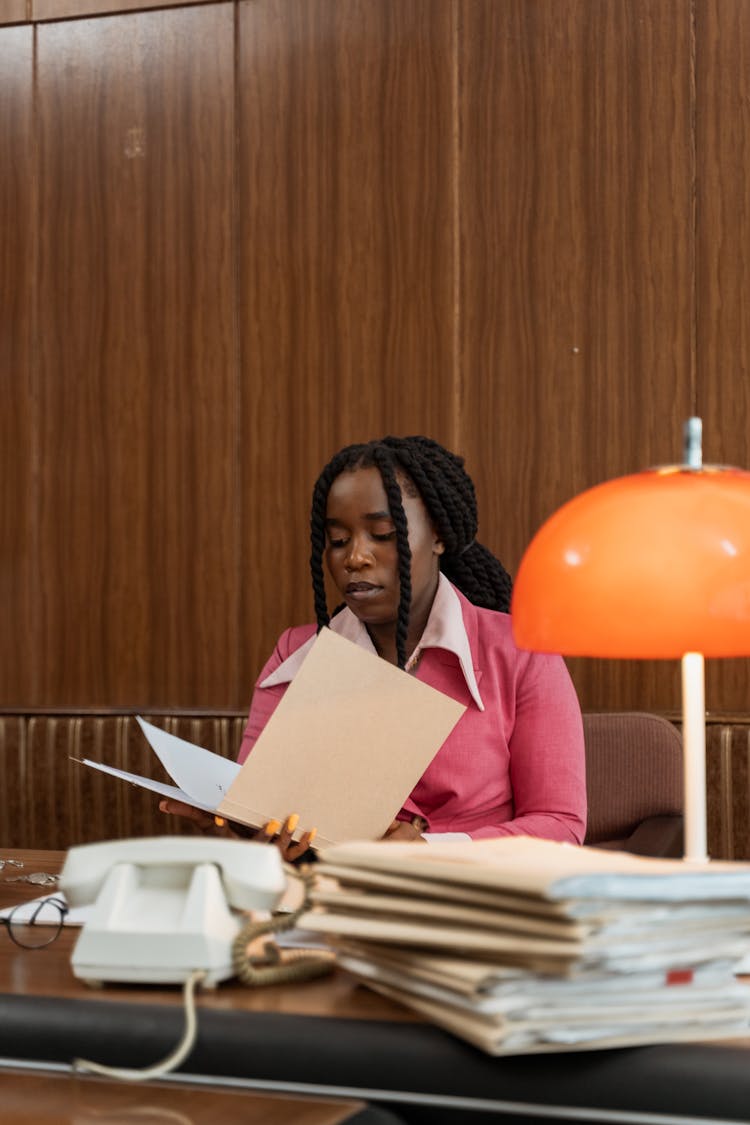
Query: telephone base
{"type": "Point", "coordinates": [96, 976]}
{"type": "Point", "coordinates": [158, 925]}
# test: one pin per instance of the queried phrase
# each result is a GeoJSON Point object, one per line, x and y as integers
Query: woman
{"type": "Point", "coordinates": [395, 521]}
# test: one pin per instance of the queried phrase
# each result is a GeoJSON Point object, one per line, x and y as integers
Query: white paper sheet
{"type": "Point", "coordinates": [159, 787]}
{"type": "Point", "coordinates": [205, 776]}
{"type": "Point", "coordinates": [202, 777]}
{"type": "Point", "coordinates": [76, 915]}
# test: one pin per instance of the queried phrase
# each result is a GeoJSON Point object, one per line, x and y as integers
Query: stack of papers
{"type": "Point", "coordinates": [522, 945]}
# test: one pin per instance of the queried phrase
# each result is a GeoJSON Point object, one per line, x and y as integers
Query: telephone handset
{"type": "Point", "coordinates": [166, 906]}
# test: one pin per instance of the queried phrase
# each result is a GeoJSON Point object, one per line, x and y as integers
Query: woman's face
{"type": "Point", "coordinates": [361, 551]}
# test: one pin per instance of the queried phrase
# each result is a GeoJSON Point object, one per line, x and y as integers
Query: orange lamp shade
{"type": "Point", "coordinates": [652, 565]}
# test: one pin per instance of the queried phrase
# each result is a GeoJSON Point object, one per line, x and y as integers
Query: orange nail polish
{"type": "Point", "coordinates": [312, 834]}
{"type": "Point", "coordinates": [219, 821]}
{"type": "Point", "coordinates": [272, 827]}
{"type": "Point", "coordinates": [292, 822]}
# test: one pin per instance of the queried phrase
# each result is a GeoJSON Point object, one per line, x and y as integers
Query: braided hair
{"type": "Point", "coordinates": [448, 494]}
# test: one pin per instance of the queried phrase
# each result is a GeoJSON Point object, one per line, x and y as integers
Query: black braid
{"type": "Point", "coordinates": [318, 541]}
{"type": "Point", "coordinates": [449, 496]}
{"type": "Point", "coordinates": [385, 461]}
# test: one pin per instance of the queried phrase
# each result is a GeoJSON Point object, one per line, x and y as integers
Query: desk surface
{"type": "Point", "coordinates": [338, 996]}
{"type": "Point", "coordinates": [333, 1038]}
{"type": "Point", "coordinates": [64, 1098]}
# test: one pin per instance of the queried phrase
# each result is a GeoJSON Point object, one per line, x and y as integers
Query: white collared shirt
{"type": "Point", "coordinates": [444, 629]}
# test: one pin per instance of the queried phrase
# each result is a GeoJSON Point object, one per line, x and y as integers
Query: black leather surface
{"type": "Point", "coordinates": [690, 1081]}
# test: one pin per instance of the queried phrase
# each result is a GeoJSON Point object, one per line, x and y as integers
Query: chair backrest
{"type": "Point", "coordinates": [634, 771]}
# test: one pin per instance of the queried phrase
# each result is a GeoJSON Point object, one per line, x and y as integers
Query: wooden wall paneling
{"type": "Point", "coordinates": [577, 265]}
{"type": "Point", "coordinates": [11, 11]}
{"type": "Point", "coordinates": [728, 788]}
{"type": "Point", "coordinates": [46, 795]}
{"type": "Point", "coordinates": [723, 266]}
{"type": "Point", "coordinates": [17, 445]}
{"type": "Point", "coordinates": [63, 9]}
{"type": "Point", "coordinates": [347, 200]}
{"type": "Point", "coordinates": [50, 800]}
{"type": "Point", "coordinates": [64, 803]}
{"type": "Point", "coordinates": [137, 349]}
{"type": "Point", "coordinates": [14, 808]}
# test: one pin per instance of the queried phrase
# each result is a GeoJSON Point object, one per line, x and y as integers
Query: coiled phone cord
{"type": "Point", "coordinates": [256, 960]}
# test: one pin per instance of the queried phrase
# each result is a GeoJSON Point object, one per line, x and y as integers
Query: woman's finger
{"type": "Point", "coordinates": [295, 850]}
{"type": "Point", "coordinates": [405, 832]}
{"type": "Point", "coordinates": [286, 834]}
{"type": "Point", "coordinates": [177, 808]}
{"type": "Point", "coordinates": [269, 832]}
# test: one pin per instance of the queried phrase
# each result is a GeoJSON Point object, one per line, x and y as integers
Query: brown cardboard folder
{"type": "Point", "coordinates": [346, 745]}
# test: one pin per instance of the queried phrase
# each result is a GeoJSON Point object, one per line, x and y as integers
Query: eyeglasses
{"type": "Point", "coordinates": [32, 925]}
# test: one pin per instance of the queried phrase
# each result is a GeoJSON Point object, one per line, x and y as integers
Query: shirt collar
{"type": "Point", "coordinates": [445, 629]}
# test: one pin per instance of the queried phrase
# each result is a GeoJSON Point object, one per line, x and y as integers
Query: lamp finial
{"type": "Point", "coordinates": [692, 439]}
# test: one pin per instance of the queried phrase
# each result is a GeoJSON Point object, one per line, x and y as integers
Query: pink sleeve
{"type": "Point", "coordinates": [547, 757]}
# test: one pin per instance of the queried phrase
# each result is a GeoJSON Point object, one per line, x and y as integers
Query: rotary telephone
{"type": "Point", "coordinates": [166, 906]}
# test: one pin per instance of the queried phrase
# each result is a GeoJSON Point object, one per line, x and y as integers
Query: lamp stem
{"type": "Point", "coordinates": [694, 756]}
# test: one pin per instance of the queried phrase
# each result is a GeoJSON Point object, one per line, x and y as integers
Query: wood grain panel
{"type": "Point", "coordinates": [67, 1100]}
{"type": "Point", "coordinates": [62, 9]}
{"type": "Point", "coordinates": [347, 187]}
{"type": "Point", "coordinates": [576, 296]}
{"type": "Point", "coordinates": [728, 788]}
{"type": "Point", "coordinates": [17, 445]}
{"type": "Point", "coordinates": [723, 268]}
{"type": "Point", "coordinates": [14, 826]}
{"type": "Point", "coordinates": [138, 392]}
{"type": "Point", "coordinates": [50, 800]}
{"type": "Point", "coordinates": [11, 11]}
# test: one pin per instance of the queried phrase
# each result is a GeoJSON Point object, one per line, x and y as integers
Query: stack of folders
{"type": "Point", "coordinates": [521, 945]}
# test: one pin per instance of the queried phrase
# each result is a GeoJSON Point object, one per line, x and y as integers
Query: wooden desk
{"type": "Point", "coordinates": [75, 1099]}
{"type": "Point", "coordinates": [333, 1039]}
{"type": "Point", "coordinates": [66, 1100]}
{"type": "Point", "coordinates": [48, 973]}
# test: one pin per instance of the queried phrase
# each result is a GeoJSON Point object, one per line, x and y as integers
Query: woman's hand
{"type": "Point", "coordinates": [203, 821]}
{"type": "Point", "coordinates": [284, 841]}
{"type": "Point", "coordinates": [403, 832]}
{"type": "Point", "coordinates": [272, 832]}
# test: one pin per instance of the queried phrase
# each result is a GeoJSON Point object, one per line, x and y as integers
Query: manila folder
{"type": "Point", "coordinates": [344, 748]}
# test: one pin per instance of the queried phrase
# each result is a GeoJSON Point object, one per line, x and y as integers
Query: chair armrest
{"type": "Point", "coordinates": [657, 836]}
